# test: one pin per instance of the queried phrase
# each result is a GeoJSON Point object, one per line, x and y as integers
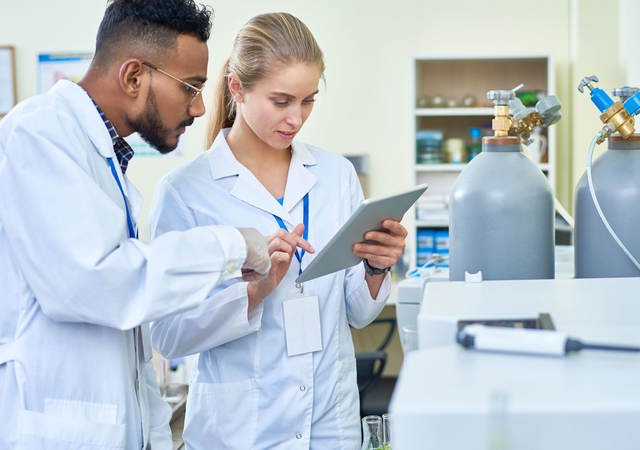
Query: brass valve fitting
{"type": "Point", "coordinates": [619, 119]}
{"type": "Point", "coordinates": [525, 126]}
{"type": "Point", "coordinates": [502, 122]}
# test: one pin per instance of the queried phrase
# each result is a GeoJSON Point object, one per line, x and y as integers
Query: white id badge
{"type": "Point", "coordinates": [302, 325]}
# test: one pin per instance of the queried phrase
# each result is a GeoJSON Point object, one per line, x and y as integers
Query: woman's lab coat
{"type": "Point", "coordinates": [74, 370]}
{"type": "Point", "coordinates": [246, 393]}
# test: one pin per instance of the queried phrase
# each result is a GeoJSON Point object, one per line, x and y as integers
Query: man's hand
{"type": "Point", "coordinates": [257, 263]}
{"type": "Point", "coordinates": [282, 247]}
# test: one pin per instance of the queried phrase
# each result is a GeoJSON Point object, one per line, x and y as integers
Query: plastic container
{"type": "Point", "coordinates": [475, 143]}
{"type": "Point", "coordinates": [429, 146]}
{"type": "Point", "coordinates": [454, 151]}
{"type": "Point", "coordinates": [425, 247]}
{"type": "Point", "coordinates": [441, 247]}
{"type": "Point", "coordinates": [426, 240]}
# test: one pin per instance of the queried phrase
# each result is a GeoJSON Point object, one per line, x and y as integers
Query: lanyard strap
{"type": "Point", "coordinates": [305, 233]}
{"type": "Point", "coordinates": [132, 233]}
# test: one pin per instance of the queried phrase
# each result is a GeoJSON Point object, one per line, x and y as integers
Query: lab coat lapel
{"type": "Point", "coordinates": [251, 191]}
{"type": "Point", "coordinates": [87, 115]}
{"type": "Point", "coordinates": [300, 180]}
{"type": "Point", "coordinates": [247, 188]}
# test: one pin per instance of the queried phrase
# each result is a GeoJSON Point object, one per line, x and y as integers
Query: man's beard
{"type": "Point", "coordinates": [150, 128]}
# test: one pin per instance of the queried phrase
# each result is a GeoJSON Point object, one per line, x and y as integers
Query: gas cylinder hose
{"type": "Point", "coordinates": [595, 202]}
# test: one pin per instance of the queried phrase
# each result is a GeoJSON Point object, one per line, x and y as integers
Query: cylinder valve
{"type": "Point", "coordinates": [614, 115]}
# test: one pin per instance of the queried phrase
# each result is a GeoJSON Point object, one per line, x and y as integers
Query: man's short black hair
{"type": "Point", "coordinates": [152, 24]}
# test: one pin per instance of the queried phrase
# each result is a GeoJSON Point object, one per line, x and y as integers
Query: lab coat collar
{"type": "Point", "coordinates": [247, 188]}
{"type": "Point", "coordinates": [300, 180]}
{"type": "Point", "coordinates": [87, 115]}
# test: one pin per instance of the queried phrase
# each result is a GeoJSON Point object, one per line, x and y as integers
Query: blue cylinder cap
{"type": "Point", "coordinates": [632, 105]}
{"type": "Point", "coordinates": [601, 99]}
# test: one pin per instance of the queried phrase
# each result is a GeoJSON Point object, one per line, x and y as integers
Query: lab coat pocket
{"type": "Point", "coordinates": [221, 415]}
{"type": "Point", "coordinates": [68, 424]}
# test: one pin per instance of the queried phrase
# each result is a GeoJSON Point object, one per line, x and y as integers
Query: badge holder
{"type": "Point", "coordinates": [301, 314]}
{"type": "Point", "coordinates": [302, 323]}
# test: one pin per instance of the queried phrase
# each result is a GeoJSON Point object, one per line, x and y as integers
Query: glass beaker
{"type": "Point", "coordinates": [372, 433]}
{"type": "Point", "coordinates": [386, 431]}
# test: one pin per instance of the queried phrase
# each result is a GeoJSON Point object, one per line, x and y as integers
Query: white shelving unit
{"type": "Point", "coordinates": [454, 76]}
{"type": "Point", "coordinates": [457, 167]}
{"type": "Point", "coordinates": [432, 223]}
{"type": "Point", "coordinates": [449, 112]}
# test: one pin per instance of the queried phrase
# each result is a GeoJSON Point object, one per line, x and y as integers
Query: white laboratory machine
{"type": "Point", "coordinates": [451, 398]}
{"type": "Point", "coordinates": [411, 292]}
{"type": "Point", "coordinates": [408, 299]}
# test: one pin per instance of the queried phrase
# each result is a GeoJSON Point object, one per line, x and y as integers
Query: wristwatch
{"type": "Point", "coordinates": [374, 270]}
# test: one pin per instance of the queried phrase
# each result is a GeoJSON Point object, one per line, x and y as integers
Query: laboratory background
{"type": "Point", "coordinates": [405, 99]}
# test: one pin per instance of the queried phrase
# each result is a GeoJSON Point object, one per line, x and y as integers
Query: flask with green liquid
{"type": "Point", "coordinates": [372, 433]}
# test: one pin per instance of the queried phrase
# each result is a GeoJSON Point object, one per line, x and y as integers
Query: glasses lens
{"type": "Point", "coordinates": [194, 95]}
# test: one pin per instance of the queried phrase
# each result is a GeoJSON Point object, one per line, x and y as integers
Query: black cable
{"type": "Point", "coordinates": [574, 345]}
{"type": "Point", "coordinates": [616, 348]}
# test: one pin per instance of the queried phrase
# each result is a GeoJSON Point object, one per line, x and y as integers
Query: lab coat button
{"type": "Point", "coordinates": [298, 435]}
{"type": "Point", "coordinates": [303, 388]}
{"type": "Point", "coordinates": [231, 267]}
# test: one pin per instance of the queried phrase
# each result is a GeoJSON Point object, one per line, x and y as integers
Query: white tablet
{"type": "Point", "coordinates": [338, 254]}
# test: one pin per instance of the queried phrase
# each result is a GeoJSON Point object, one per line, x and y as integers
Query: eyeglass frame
{"type": "Point", "coordinates": [196, 91]}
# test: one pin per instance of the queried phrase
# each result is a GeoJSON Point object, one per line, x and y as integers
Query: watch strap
{"type": "Point", "coordinates": [374, 270]}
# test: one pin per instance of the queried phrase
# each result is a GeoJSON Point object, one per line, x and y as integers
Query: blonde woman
{"type": "Point", "coordinates": [276, 368]}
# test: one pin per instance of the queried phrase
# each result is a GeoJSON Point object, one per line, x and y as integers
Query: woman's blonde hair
{"type": "Point", "coordinates": [264, 41]}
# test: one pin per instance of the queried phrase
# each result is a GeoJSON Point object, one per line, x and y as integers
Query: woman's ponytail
{"type": "Point", "coordinates": [224, 111]}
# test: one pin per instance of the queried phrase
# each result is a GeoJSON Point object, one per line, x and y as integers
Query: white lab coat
{"type": "Point", "coordinates": [246, 393]}
{"type": "Point", "coordinates": [74, 287]}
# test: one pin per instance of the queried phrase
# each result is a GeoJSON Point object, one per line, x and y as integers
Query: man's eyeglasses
{"type": "Point", "coordinates": [191, 90]}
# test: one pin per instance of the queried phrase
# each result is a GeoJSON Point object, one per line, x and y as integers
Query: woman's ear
{"type": "Point", "coordinates": [235, 87]}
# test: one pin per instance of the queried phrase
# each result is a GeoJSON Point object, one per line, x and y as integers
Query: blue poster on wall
{"type": "Point", "coordinates": [61, 66]}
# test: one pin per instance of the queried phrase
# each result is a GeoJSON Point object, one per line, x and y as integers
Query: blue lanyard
{"type": "Point", "coordinates": [132, 233]}
{"type": "Point", "coordinates": [305, 233]}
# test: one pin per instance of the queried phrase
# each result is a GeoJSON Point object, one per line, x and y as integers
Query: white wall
{"type": "Point", "coordinates": [366, 106]}
{"type": "Point", "coordinates": [596, 43]}
{"type": "Point", "coordinates": [629, 36]}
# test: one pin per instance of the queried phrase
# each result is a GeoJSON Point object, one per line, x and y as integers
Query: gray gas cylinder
{"type": "Point", "coordinates": [501, 216]}
{"type": "Point", "coordinates": [616, 181]}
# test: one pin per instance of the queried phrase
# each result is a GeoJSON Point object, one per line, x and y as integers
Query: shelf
{"type": "Point", "coordinates": [457, 76]}
{"type": "Point", "coordinates": [442, 223]}
{"type": "Point", "coordinates": [440, 167]}
{"type": "Point", "coordinates": [455, 167]}
{"type": "Point", "coordinates": [430, 112]}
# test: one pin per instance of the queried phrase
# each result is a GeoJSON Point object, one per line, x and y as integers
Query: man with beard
{"type": "Point", "coordinates": [76, 286]}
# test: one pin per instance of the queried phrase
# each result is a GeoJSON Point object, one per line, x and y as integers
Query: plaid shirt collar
{"type": "Point", "coordinates": [122, 149]}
